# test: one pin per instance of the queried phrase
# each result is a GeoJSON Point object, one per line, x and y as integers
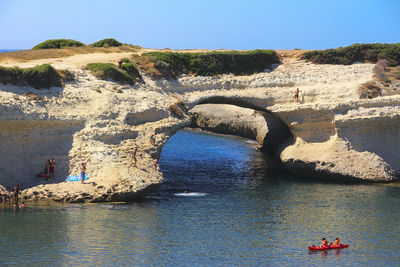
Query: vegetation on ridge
{"type": "Point", "coordinates": [356, 53]}
{"type": "Point", "coordinates": [127, 73]}
{"type": "Point", "coordinates": [170, 64]}
{"type": "Point", "coordinates": [111, 42]}
{"type": "Point", "coordinates": [58, 43]}
{"type": "Point", "coordinates": [43, 76]}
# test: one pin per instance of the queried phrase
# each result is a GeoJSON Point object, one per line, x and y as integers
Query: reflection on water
{"type": "Point", "coordinates": [236, 212]}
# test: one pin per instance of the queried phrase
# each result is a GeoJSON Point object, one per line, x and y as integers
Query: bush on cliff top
{"type": "Point", "coordinates": [43, 76]}
{"type": "Point", "coordinates": [214, 63]}
{"type": "Point", "coordinates": [107, 43]}
{"type": "Point", "coordinates": [128, 74]}
{"type": "Point", "coordinates": [58, 43]}
{"type": "Point", "coordinates": [356, 53]}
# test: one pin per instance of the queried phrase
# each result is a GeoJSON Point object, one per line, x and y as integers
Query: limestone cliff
{"type": "Point", "coordinates": [336, 135]}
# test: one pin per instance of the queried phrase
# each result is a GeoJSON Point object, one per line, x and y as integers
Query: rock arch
{"type": "Point", "coordinates": [239, 117]}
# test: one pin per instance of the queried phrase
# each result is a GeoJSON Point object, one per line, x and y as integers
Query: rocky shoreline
{"type": "Point", "coordinates": [336, 135]}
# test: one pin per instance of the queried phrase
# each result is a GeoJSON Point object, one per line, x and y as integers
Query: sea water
{"type": "Point", "coordinates": [8, 50]}
{"type": "Point", "coordinates": [221, 205]}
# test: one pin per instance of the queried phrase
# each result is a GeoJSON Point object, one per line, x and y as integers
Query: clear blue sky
{"type": "Point", "coordinates": [211, 24]}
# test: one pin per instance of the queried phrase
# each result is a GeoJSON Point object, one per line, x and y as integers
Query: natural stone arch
{"type": "Point", "coordinates": [239, 117]}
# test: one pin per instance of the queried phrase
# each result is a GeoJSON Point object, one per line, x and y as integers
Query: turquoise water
{"type": "Point", "coordinates": [237, 212]}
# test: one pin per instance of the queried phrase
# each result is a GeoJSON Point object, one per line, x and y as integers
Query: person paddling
{"type": "Point", "coordinates": [337, 242]}
{"type": "Point", "coordinates": [324, 242]}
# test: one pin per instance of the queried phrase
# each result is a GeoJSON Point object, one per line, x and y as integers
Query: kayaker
{"type": "Point", "coordinates": [337, 242]}
{"type": "Point", "coordinates": [324, 242]}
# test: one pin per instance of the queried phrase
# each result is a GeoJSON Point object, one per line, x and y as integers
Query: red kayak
{"type": "Point", "coordinates": [314, 248]}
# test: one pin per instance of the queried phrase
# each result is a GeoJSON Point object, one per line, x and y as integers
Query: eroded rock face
{"type": "Point", "coordinates": [27, 145]}
{"type": "Point", "coordinates": [78, 124]}
{"type": "Point", "coordinates": [150, 115]}
{"type": "Point", "coordinates": [344, 144]}
{"type": "Point", "coordinates": [335, 160]}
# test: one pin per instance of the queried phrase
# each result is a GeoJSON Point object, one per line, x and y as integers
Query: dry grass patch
{"type": "Point", "coordinates": [383, 79]}
{"type": "Point", "coordinates": [178, 109]}
{"type": "Point", "coordinates": [370, 90]}
{"type": "Point", "coordinates": [148, 66]}
{"type": "Point", "coordinates": [26, 55]}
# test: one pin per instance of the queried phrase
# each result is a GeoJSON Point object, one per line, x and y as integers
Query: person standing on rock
{"type": "Point", "coordinates": [52, 168]}
{"type": "Point", "coordinates": [4, 197]}
{"type": "Point", "coordinates": [156, 164]}
{"type": "Point", "coordinates": [134, 157]}
{"type": "Point", "coordinates": [296, 95]}
{"type": "Point", "coordinates": [16, 194]}
{"type": "Point", "coordinates": [83, 172]}
{"type": "Point", "coordinates": [153, 139]}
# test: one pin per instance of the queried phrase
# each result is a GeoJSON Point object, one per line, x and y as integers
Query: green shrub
{"type": "Point", "coordinates": [356, 53]}
{"type": "Point", "coordinates": [214, 63]}
{"type": "Point", "coordinates": [107, 43]}
{"type": "Point", "coordinates": [58, 43]}
{"type": "Point", "coordinates": [125, 60]}
{"type": "Point", "coordinates": [131, 70]}
{"type": "Point", "coordinates": [43, 76]}
{"type": "Point", "coordinates": [127, 74]}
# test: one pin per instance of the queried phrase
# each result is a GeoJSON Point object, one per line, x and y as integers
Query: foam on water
{"type": "Point", "coordinates": [191, 194]}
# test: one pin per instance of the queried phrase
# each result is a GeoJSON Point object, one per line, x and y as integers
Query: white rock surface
{"type": "Point", "coordinates": [90, 121]}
